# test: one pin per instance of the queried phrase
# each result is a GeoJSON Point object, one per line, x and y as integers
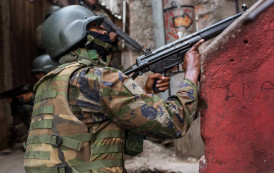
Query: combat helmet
{"type": "Point", "coordinates": [43, 63]}
{"type": "Point", "coordinates": [65, 28]}
{"type": "Point", "coordinates": [51, 10]}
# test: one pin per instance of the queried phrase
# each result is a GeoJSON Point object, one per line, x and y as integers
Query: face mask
{"type": "Point", "coordinates": [102, 51]}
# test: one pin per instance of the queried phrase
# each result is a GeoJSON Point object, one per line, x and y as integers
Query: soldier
{"type": "Point", "coordinates": [87, 116]}
{"type": "Point", "coordinates": [22, 98]}
{"type": "Point", "coordinates": [42, 65]}
{"type": "Point", "coordinates": [21, 103]}
{"type": "Point", "coordinates": [113, 59]}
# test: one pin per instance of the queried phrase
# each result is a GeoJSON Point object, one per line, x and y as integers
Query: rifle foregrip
{"type": "Point", "coordinates": [156, 89]}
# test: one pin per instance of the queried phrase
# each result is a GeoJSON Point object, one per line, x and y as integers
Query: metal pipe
{"type": "Point", "coordinates": [124, 20]}
{"type": "Point", "coordinates": [237, 6]}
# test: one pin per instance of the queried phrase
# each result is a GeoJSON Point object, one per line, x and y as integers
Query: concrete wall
{"type": "Point", "coordinates": [207, 13]}
{"type": "Point", "coordinates": [238, 86]}
{"type": "Point", "coordinates": [141, 30]}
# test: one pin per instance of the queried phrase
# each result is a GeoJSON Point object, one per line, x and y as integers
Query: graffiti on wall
{"type": "Point", "coordinates": [179, 19]}
{"type": "Point", "coordinates": [182, 21]}
{"type": "Point", "coordinates": [244, 92]}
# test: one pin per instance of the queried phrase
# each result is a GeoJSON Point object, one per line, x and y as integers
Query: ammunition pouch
{"type": "Point", "coordinates": [134, 143]}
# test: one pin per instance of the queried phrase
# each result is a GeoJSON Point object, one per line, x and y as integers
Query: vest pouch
{"type": "Point", "coordinates": [134, 143]}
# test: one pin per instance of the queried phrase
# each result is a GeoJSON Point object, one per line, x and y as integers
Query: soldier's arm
{"type": "Point", "coordinates": [128, 105]}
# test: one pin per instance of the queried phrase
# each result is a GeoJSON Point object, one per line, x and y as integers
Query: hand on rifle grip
{"type": "Point", "coordinates": [156, 83]}
{"type": "Point", "coordinates": [164, 83]}
{"type": "Point", "coordinates": [155, 88]}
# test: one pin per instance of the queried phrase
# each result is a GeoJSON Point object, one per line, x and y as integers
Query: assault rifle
{"type": "Point", "coordinates": [16, 91]}
{"type": "Point", "coordinates": [109, 26]}
{"type": "Point", "coordinates": [171, 55]}
{"type": "Point", "coordinates": [19, 104]}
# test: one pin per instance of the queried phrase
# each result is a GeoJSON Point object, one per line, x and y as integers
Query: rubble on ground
{"type": "Point", "coordinates": [156, 158]}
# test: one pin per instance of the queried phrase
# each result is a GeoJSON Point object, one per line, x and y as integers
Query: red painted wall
{"type": "Point", "coordinates": [238, 85]}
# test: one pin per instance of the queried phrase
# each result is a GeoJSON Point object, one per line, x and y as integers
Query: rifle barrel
{"type": "Point", "coordinates": [16, 91]}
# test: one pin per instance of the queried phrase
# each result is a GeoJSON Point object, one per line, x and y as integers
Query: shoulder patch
{"type": "Point", "coordinates": [132, 87]}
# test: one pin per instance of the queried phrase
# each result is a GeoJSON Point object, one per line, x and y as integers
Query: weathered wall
{"type": "Point", "coordinates": [141, 30]}
{"type": "Point", "coordinates": [191, 145]}
{"type": "Point", "coordinates": [238, 86]}
{"type": "Point", "coordinates": [5, 74]}
{"type": "Point", "coordinates": [207, 13]}
{"type": "Point", "coordinates": [18, 22]}
{"type": "Point", "coordinates": [25, 17]}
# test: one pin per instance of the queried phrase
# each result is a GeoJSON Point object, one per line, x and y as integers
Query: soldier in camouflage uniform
{"type": "Point", "coordinates": [22, 104]}
{"type": "Point", "coordinates": [88, 116]}
{"type": "Point", "coordinates": [21, 109]}
{"type": "Point", "coordinates": [42, 65]}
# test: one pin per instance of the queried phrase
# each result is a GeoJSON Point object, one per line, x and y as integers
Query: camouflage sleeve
{"type": "Point", "coordinates": [128, 105]}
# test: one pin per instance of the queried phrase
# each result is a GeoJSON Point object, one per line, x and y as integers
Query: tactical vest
{"type": "Point", "coordinates": [58, 141]}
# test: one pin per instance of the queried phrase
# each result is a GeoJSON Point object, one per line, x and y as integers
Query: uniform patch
{"type": "Point", "coordinates": [132, 87]}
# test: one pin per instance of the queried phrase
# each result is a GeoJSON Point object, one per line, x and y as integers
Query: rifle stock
{"type": "Point", "coordinates": [111, 27]}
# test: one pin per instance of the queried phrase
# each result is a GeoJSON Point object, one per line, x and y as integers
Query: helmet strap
{"type": "Point", "coordinates": [91, 39]}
